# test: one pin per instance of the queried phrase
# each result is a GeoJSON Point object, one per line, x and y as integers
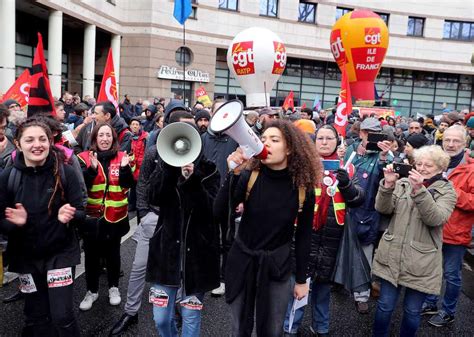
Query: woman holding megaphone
{"type": "Point", "coordinates": [275, 192]}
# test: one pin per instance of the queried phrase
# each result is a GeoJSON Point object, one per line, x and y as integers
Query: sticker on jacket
{"type": "Point", "coordinates": [191, 303]}
{"type": "Point", "coordinates": [27, 284]}
{"type": "Point", "coordinates": [158, 298]}
{"type": "Point", "coordinates": [59, 277]}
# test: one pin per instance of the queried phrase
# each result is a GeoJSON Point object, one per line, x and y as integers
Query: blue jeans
{"type": "Point", "coordinates": [320, 295]}
{"type": "Point", "coordinates": [412, 304]}
{"type": "Point", "coordinates": [163, 315]}
{"type": "Point", "coordinates": [452, 270]}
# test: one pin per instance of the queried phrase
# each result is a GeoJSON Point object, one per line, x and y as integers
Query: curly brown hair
{"type": "Point", "coordinates": [304, 163]}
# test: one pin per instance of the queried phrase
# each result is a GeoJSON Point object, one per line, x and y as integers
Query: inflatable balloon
{"type": "Point", "coordinates": [257, 58]}
{"type": "Point", "coordinates": [360, 39]}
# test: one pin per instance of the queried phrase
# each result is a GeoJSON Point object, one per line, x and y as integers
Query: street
{"type": "Point", "coordinates": [345, 321]}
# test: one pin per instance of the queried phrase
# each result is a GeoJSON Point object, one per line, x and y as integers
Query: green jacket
{"type": "Point", "coordinates": [410, 251]}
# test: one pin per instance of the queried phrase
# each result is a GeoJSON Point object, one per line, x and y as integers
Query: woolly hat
{"type": "Point", "coordinates": [10, 101]}
{"type": "Point", "coordinates": [202, 114]}
{"type": "Point", "coordinates": [470, 123]}
{"type": "Point", "coordinates": [417, 140]}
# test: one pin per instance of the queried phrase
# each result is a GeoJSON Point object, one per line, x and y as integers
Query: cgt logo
{"type": "Point", "coordinates": [279, 61]}
{"type": "Point", "coordinates": [336, 44]}
{"type": "Point", "coordinates": [243, 58]}
{"type": "Point", "coordinates": [372, 36]}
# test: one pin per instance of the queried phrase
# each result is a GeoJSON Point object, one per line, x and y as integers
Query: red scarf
{"type": "Point", "coordinates": [320, 216]}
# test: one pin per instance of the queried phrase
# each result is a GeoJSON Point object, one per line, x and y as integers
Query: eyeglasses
{"type": "Point", "coordinates": [327, 139]}
{"type": "Point", "coordinates": [11, 106]}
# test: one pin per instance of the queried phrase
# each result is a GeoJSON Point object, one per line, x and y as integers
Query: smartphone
{"type": "Point", "coordinates": [373, 138]}
{"type": "Point", "coordinates": [331, 165]}
{"type": "Point", "coordinates": [402, 169]}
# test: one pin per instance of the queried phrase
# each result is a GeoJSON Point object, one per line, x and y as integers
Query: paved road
{"type": "Point", "coordinates": [216, 318]}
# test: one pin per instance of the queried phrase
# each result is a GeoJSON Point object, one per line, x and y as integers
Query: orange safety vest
{"type": "Point", "coordinates": [338, 201]}
{"type": "Point", "coordinates": [113, 203]}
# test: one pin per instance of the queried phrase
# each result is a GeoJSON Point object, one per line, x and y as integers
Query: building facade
{"type": "Point", "coordinates": [428, 66]}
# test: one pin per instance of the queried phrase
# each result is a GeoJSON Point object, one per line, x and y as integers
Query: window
{"type": "Point", "coordinates": [231, 5]}
{"type": "Point", "coordinates": [307, 12]}
{"type": "Point", "coordinates": [184, 56]}
{"type": "Point", "coordinates": [340, 11]}
{"type": "Point", "coordinates": [194, 10]}
{"type": "Point", "coordinates": [415, 26]}
{"type": "Point", "coordinates": [456, 30]}
{"type": "Point", "coordinates": [384, 17]}
{"type": "Point", "coordinates": [177, 90]}
{"type": "Point", "coordinates": [269, 8]}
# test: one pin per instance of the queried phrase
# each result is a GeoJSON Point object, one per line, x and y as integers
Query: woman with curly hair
{"type": "Point", "coordinates": [276, 192]}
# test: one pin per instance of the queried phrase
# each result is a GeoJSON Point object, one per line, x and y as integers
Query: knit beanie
{"type": "Point", "coordinates": [202, 114]}
{"type": "Point", "coordinates": [417, 140]}
{"type": "Point", "coordinates": [470, 123]}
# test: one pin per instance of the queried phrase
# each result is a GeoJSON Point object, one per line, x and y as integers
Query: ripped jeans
{"type": "Point", "coordinates": [164, 299]}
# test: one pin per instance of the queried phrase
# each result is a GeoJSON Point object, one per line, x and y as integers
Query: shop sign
{"type": "Point", "coordinates": [192, 75]}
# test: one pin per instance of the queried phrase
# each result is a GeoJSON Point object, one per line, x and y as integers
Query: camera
{"type": "Point", "coordinates": [402, 169]}
{"type": "Point", "coordinates": [373, 138]}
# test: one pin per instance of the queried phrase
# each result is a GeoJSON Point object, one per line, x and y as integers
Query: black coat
{"type": "Point", "coordinates": [186, 237]}
{"type": "Point", "coordinates": [43, 242]}
{"type": "Point", "coordinates": [217, 147]}
{"type": "Point", "coordinates": [325, 241]}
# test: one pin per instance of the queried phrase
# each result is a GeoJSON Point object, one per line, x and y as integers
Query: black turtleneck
{"type": "Point", "coordinates": [270, 213]}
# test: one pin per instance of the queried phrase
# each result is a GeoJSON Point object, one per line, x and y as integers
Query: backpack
{"type": "Point", "coordinates": [253, 178]}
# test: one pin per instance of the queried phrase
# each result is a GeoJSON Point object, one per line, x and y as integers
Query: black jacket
{"type": "Point", "coordinates": [217, 147]}
{"type": "Point", "coordinates": [325, 241]}
{"type": "Point", "coordinates": [83, 139]}
{"type": "Point", "coordinates": [147, 169]}
{"type": "Point", "coordinates": [184, 248]}
{"type": "Point", "coordinates": [119, 124]}
{"type": "Point", "coordinates": [43, 242]}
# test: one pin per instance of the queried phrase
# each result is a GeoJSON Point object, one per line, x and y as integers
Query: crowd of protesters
{"type": "Point", "coordinates": [263, 234]}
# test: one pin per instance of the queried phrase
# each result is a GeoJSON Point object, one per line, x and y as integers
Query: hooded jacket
{"type": "Point", "coordinates": [125, 139]}
{"type": "Point", "coordinates": [43, 237]}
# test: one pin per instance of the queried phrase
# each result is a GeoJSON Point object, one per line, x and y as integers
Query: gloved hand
{"type": "Point", "coordinates": [343, 177]}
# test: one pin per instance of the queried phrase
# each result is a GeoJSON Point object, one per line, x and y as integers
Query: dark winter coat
{"type": "Point", "coordinates": [184, 247]}
{"type": "Point", "coordinates": [124, 134]}
{"type": "Point", "coordinates": [43, 242]}
{"type": "Point", "coordinates": [217, 147]}
{"type": "Point", "coordinates": [325, 241]}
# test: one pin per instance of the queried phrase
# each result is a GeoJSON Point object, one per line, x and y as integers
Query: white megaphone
{"type": "Point", "coordinates": [229, 119]}
{"type": "Point", "coordinates": [179, 144]}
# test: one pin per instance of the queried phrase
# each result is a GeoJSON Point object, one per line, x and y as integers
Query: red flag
{"type": "Point", "coordinates": [289, 101]}
{"type": "Point", "coordinates": [20, 90]}
{"type": "Point", "coordinates": [344, 104]}
{"type": "Point", "coordinates": [41, 98]}
{"type": "Point", "coordinates": [303, 106]}
{"type": "Point", "coordinates": [108, 88]}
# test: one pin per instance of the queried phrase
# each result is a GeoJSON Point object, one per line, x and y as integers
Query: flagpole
{"type": "Point", "coordinates": [184, 64]}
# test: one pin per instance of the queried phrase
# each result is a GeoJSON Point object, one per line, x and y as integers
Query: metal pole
{"type": "Point", "coordinates": [184, 64]}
